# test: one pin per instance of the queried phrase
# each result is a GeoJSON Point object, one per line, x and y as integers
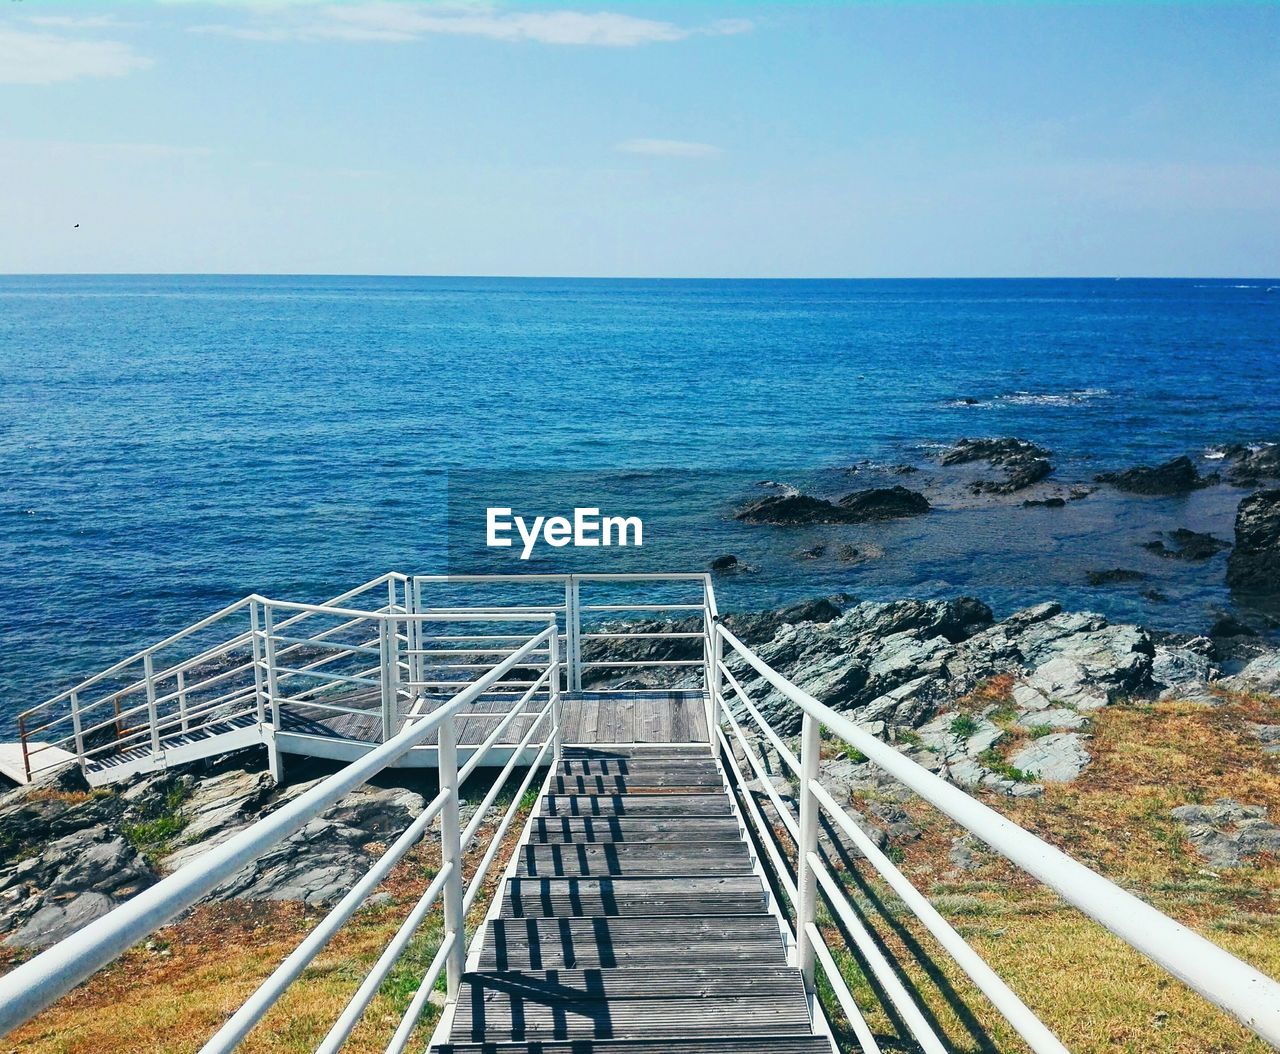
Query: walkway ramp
{"type": "Point", "coordinates": [633, 919]}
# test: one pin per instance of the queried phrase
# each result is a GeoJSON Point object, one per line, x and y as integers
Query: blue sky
{"type": "Point", "coordinates": [747, 139]}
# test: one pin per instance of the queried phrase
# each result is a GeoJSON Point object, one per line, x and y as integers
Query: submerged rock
{"type": "Point", "coordinates": [1178, 476]}
{"type": "Point", "coordinates": [1254, 565]}
{"type": "Point", "coordinates": [1113, 575]}
{"type": "Point", "coordinates": [1189, 545]}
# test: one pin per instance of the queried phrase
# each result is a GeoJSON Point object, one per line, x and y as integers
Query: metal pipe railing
{"type": "Point", "coordinates": [35, 984]}
{"type": "Point", "coordinates": [1231, 984]}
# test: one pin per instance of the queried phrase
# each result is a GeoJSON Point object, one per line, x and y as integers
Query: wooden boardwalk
{"type": "Point", "coordinates": [632, 920]}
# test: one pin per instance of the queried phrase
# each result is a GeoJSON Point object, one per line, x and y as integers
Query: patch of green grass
{"type": "Point", "coordinates": [910, 737]}
{"type": "Point", "coordinates": [963, 725]}
{"type": "Point", "coordinates": [154, 835]}
{"type": "Point", "coordinates": [991, 759]}
{"type": "Point", "coordinates": [1039, 731]}
{"type": "Point", "coordinates": [840, 746]}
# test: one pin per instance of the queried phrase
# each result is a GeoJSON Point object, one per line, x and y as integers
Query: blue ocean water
{"type": "Point", "coordinates": [168, 444]}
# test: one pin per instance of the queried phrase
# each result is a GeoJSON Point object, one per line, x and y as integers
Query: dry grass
{"type": "Point", "coordinates": [171, 994]}
{"type": "Point", "coordinates": [1093, 990]}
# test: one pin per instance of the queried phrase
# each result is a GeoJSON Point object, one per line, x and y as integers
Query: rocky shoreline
{"type": "Point", "coordinates": [1011, 472]}
{"type": "Point", "coordinates": [1002, 705]}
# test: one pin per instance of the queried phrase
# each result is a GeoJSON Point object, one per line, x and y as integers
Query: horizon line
{"type": "Point", "coordinates": [650, 277]}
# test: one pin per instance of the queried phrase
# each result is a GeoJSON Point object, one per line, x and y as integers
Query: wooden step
{"type": "Point", "coordinates": [634, 766]}
{"type": "Point", "coordinates": [618, 1004]}
{"type": "Point", "coordinates": [659, 858]}
{"type": "Point", "coordinates": [627, 829]}
{"type": "Point", "coordinates": [773, 1044]}
{"type": "Point", "coordinates": [640, 751]}
{"type": "Point", "coordinates": [625, 943]}
{"type": "Point", "coordinates": [636, 805]}
{"type": "Point", "coordinates": [621, 897]}
{"type": "Point", "coordinates": [658, 780]}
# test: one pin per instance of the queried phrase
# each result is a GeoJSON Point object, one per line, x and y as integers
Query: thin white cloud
{"type": "Point", "coordinates": [669, 148]}
{"type": "Point", "coordinates": [43, 57]}
{"type": "Point", "coordinates": [384, 21]}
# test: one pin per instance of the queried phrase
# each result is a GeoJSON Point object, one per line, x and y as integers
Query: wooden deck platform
{"type": "Point", "coordinates": [632, 919]}
{"type": "Point", "coordinates": [616, 718]}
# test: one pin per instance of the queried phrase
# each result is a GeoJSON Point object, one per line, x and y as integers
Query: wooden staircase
{"type": "Point", "coordinates": [633, 921]}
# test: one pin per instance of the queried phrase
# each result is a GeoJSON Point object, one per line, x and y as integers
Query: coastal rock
{"type": "Point", "coordinates": [1107, 659]}
{"type": "Point", "coordinates": [1057, 718]}
{"type": "Point", "coordinates": [724, 563]}
{"type": "Point", "coordinates": [69, 883]}
{"type": "Point", "coordinates": [792, 510]}
{"type": "Point", "coordinates": [1024, 462]}
{"type": "Point", "coordinates": [323, 860]}
{"type": "Point", "coordinates": [1178, 476]}
{"type": "Point", "coordinates": [1260, 675]}
{"type": "Point", "coordinates": [1253, 465]}
{"type": "Point", "coordinates": [1188, 545]}
{"type": "Point", "coordinates": [883, 503]}
{"type": "Point", "coordinates": [1056, 758]}
{"type": "Point", "coordinates": [1226, 833]}
{"type": "Point", "coordinates": [1254, 565]}
{"type": "Point", "coordinates": [998, 450]}
{"type": "Point", "coordinates": [1183, 672]}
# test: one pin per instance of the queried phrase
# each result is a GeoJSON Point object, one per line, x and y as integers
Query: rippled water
{"type": "Point", "coordinates": [169, 444]}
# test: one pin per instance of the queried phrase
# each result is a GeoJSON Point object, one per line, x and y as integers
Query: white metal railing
{"type": "Point", "coordinates": [804, 876]}
{"type": "Point", "coordinates": [210, 674]}
{"type": "Point", "coordinates": [421, 660]}
{"type": "Point", "coordinates": [34, 985]}
{"type": "Point", "coordinates": [282, 666]}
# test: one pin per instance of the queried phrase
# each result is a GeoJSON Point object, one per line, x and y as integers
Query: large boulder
{"type": "Point", "coordinates": [1254, 565]}
{"type": "Point", "coordinates": [1178, 476]}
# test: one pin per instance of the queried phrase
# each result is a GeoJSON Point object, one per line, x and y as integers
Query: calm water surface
{"type": "Point", "coordinates": [169, 444]}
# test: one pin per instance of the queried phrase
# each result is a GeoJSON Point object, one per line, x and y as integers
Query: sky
{"type": "Point", "coordinates": [640, 139]}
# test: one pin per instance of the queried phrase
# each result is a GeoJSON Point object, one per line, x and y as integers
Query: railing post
{"type": "Point", "coordinates": [553, 685]}
{"type": "Point", "coordinates": [255, 636]}
{"type": "Point", "coordinates": [26, 752]}
{"type": "Point", "coordinates": [451, 856]}
{"type": "Point", "coordinates": [806, 882]}
{"type": "Point", "coordinates": [182, 699]}
{"type": "Point", "coordinates": [573, 633]}
{"type": "Point", "coordinates": [389, 653]}
{"type": "Point", "coordinates": [76, 725]}
{"type": "Point", "coordinates": [149, 672]}
{"type": "Point", "coordinates": [269, 646]}
{"type": "Point", "coordinates": [717, 680]}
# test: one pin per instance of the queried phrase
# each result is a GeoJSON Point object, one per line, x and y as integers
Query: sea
{"type": "Point", "coordinates": [171, 443]}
